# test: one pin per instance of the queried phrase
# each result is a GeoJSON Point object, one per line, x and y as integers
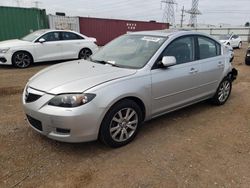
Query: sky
{"type": "Point", "coordinates": [215, 12]}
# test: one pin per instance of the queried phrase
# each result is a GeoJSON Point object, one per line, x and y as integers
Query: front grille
{"type": "Point", "coordinates": [30, 97]}
{"type": "Point", "coordinates": [35, 123]}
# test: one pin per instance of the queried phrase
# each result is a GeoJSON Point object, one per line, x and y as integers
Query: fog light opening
{"type": "Point", "coordinates": [63, 131]}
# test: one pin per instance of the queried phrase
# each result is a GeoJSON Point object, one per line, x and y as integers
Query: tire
{"type": "Point", "coordinates": [247, 62]}
{"type": "Point", "coordinates": [223, 92]}
{"type": "Point", "coordinates": [240, 45]}
{"type": "Point", "coordinates": [85, 53]}
{"type": "Point", "coordinates": [121, 124]}
{"type": "Point", "coordinates": [22, 59]}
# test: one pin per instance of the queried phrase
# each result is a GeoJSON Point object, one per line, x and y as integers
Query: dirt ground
{"type": "Point", "coordinates": [199, 146]}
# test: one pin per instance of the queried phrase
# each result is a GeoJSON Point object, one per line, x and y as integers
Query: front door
{"type": "Point", "coordinates": [51, 49]}
{"type": "Point", "coordinates": [176, 85]}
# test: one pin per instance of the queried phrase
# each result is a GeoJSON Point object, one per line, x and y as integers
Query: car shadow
{"type": "Point", "coordinates": [89, 149]}
{"type": "Point", "coordinates": [39, 64]}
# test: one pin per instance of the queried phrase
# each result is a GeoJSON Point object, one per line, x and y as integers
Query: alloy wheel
{"type": "Point", "coordinates": [22, 60]}
{"type": "Point", "coordinates": [124, 124]}
{"type": "Point", "coordinates": [85, 54]}
{"type": "Point", "coordinates": [224, 91]}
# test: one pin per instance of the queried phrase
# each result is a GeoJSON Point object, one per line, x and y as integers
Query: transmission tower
{"type": "Point", "coordinates": [182, 16]}
{"type": "Point", "coordinates": [193, 13]}
{"type": "Point", "coordinates": [169, 11]}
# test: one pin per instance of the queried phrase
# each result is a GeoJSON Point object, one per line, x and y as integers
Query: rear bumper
{"type": "Point", "coordinates": [233, 74]}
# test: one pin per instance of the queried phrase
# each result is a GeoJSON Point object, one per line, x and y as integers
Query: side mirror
{"type": "Point", "coordinates": [168, 61]}
{"type": "Point", "coordinates": [41, 40]}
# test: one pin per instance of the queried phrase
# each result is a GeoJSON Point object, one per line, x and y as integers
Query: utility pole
{"type": "Point", "coordinates": [182, 16]}
{"type": "Point", "coordinates": [169, 13]}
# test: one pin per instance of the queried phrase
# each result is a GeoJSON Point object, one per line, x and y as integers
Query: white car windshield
{"type": "Point", "coordinates": [129, 51]}
{"type": "Point", "coordinates": [32, 36]}
{"type": "Point", "coordinates": [224, 37]}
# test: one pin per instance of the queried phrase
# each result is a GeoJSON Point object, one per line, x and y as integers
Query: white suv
{"type": "Point", "coordinates": [231, 40]}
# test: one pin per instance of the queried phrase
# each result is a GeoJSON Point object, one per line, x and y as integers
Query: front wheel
{"type": "Point", "coordinates": [223, 92]}
{"type": "Point", "coordinates": [21, 59]}
{"type": "Point", "coordinates": [85, 53]}
{"type": "Point", "coordinates": [121, 124]}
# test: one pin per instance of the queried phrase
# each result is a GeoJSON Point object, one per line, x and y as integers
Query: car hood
{"type": "Point", "coordinates": [76, 76]}
{"type": "Point", "coordinates": [224, 41]}
{"type": "Point", "coordinates": [13, 43]}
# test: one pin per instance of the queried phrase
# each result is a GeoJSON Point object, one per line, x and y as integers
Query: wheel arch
{"type": "Point", "coordinates": [135, 99]}
{"type": "Point", "coordinates": [32, 58]}
{"type": "Point", "coordinates": [83, 49]}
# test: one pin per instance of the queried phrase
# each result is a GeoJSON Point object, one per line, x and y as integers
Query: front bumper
{"type": "Point", "coordinates": [247, 60]}
{"type": "Point", "coordinates": [5, 59]}
{"type": "Point", "coordinates": [80, 124]}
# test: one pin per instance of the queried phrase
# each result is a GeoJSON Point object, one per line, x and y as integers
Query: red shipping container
{"type": "Point", "coordinates": [105, 30]}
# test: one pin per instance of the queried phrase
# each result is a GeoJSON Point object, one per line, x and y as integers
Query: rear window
{"type": "Point", "coordinates": [71, 36]}
{"type": "Point", "coordinates": [208, 48]}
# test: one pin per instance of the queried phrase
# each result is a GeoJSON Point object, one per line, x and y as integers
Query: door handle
{"type": "Point", "coordinates": [193, 70]}
{"type": "Point", "coordinates": [220, 64]}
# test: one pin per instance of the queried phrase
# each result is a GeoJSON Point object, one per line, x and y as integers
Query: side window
{"type": "Point", "coordinates": [52, 36]}
{"type": "Point", "coordinates": [70, 36]}
{"type": "Point", "coordinates": [235, 36]}
{"type": "Point", "coordinates": [182, 49]}
{"type": "Point", "coordinates": [208, 48]}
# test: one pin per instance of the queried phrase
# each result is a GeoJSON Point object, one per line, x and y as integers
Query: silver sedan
{"type": "Point", "coordinates": [134, 78]}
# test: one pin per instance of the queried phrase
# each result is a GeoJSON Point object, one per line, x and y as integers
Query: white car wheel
{"type": "Point", "coordinates": [85, 53]}
{"type": "Point", "coordinates": [21, 59]}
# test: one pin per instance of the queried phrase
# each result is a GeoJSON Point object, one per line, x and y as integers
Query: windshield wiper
{"type": "Point", "coordinates": [104, 62]}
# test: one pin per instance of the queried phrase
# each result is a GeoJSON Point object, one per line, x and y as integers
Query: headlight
{"type": "Point", "coordinates": [71, 100]}
{"type": "Point", "coordinates": [5, 50]}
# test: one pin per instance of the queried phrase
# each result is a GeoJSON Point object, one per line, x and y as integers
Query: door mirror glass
{"type": "Point", "coordinates": [41, 40]}
{"type": "Point", "coordinates": [168, 61]}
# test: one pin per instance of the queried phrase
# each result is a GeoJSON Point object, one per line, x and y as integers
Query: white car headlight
{"type": "Point", "coordinates": [5, 50]}
{"type": "Point", "coordinates": [71, 100]}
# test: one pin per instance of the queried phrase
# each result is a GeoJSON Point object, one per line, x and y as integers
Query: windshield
{"type": "Point", "coordinates": [32, 36]}
{"type": "Point", "coordinates": [224, 37]}
{"type": "Point", "coordinates": [129, 51]}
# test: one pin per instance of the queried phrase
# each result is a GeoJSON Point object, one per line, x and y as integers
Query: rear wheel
{"type": "Point", "coordinates": [22, 59]}
{"type": "Point", "coordinates": [85, 53]}
{"type": "Point", "coordinates": [121, 124]}
{"type": "Point", "coordinates": [223, 92]}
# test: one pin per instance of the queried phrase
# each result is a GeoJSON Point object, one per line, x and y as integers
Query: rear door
{"type": "Point", "coordinates": [235, 41]}
{"type": "Point", "coordinates": [72, 44]}
{"type": "Point", "coordinates": [212, 64]}
{"type": "Point", "coordinates": [177, 85]}
{"type": "Point", "coordinates": [49, 50]}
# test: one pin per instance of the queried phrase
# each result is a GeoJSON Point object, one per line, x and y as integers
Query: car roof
{"type": "Point", "coordinates": [163, 33]}
{"type": "Point", "coordinates": [168, 33]}
{"type": "Point", "coordinates": [51, 30]}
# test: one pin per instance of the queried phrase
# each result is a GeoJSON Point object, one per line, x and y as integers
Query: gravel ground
{"type": "Point", "coordinates": [199, 146]}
